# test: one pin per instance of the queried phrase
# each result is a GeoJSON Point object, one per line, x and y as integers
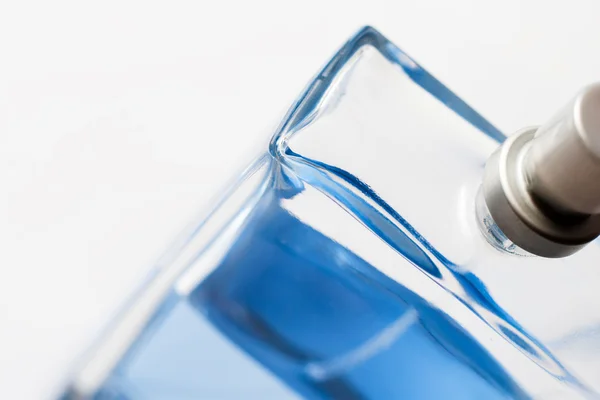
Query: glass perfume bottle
{"type": "Point", "coordinates": [357, 258]}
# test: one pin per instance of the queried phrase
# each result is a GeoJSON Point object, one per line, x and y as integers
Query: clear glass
{"type": "Point", "coordinates": [346, 262]}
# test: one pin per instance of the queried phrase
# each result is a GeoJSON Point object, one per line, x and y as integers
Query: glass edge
{"type": "Point", "coordinates": [90, 370]}
{"type": "Point", "coordinates": [306, 108]}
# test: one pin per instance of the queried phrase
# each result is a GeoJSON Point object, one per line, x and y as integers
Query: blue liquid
{"type": "Point", "coordinates": [290, 313]}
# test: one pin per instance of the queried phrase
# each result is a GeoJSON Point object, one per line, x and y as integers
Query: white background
{"type": "Point", "coordinates": [120, 119]}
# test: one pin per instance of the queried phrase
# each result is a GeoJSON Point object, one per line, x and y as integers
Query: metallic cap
{"type": "Point", "coordinates": [542, 186]}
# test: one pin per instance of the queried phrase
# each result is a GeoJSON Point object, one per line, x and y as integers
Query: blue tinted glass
{"type": "Point", "coordinates": [349, 269]}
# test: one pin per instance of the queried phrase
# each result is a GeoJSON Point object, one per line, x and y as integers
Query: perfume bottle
{"type": "Point", "coordinates": [369, 253]}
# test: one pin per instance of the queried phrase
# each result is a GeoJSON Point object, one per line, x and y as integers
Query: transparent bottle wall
{"type": "Point", "coordinates": [347, 263]}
